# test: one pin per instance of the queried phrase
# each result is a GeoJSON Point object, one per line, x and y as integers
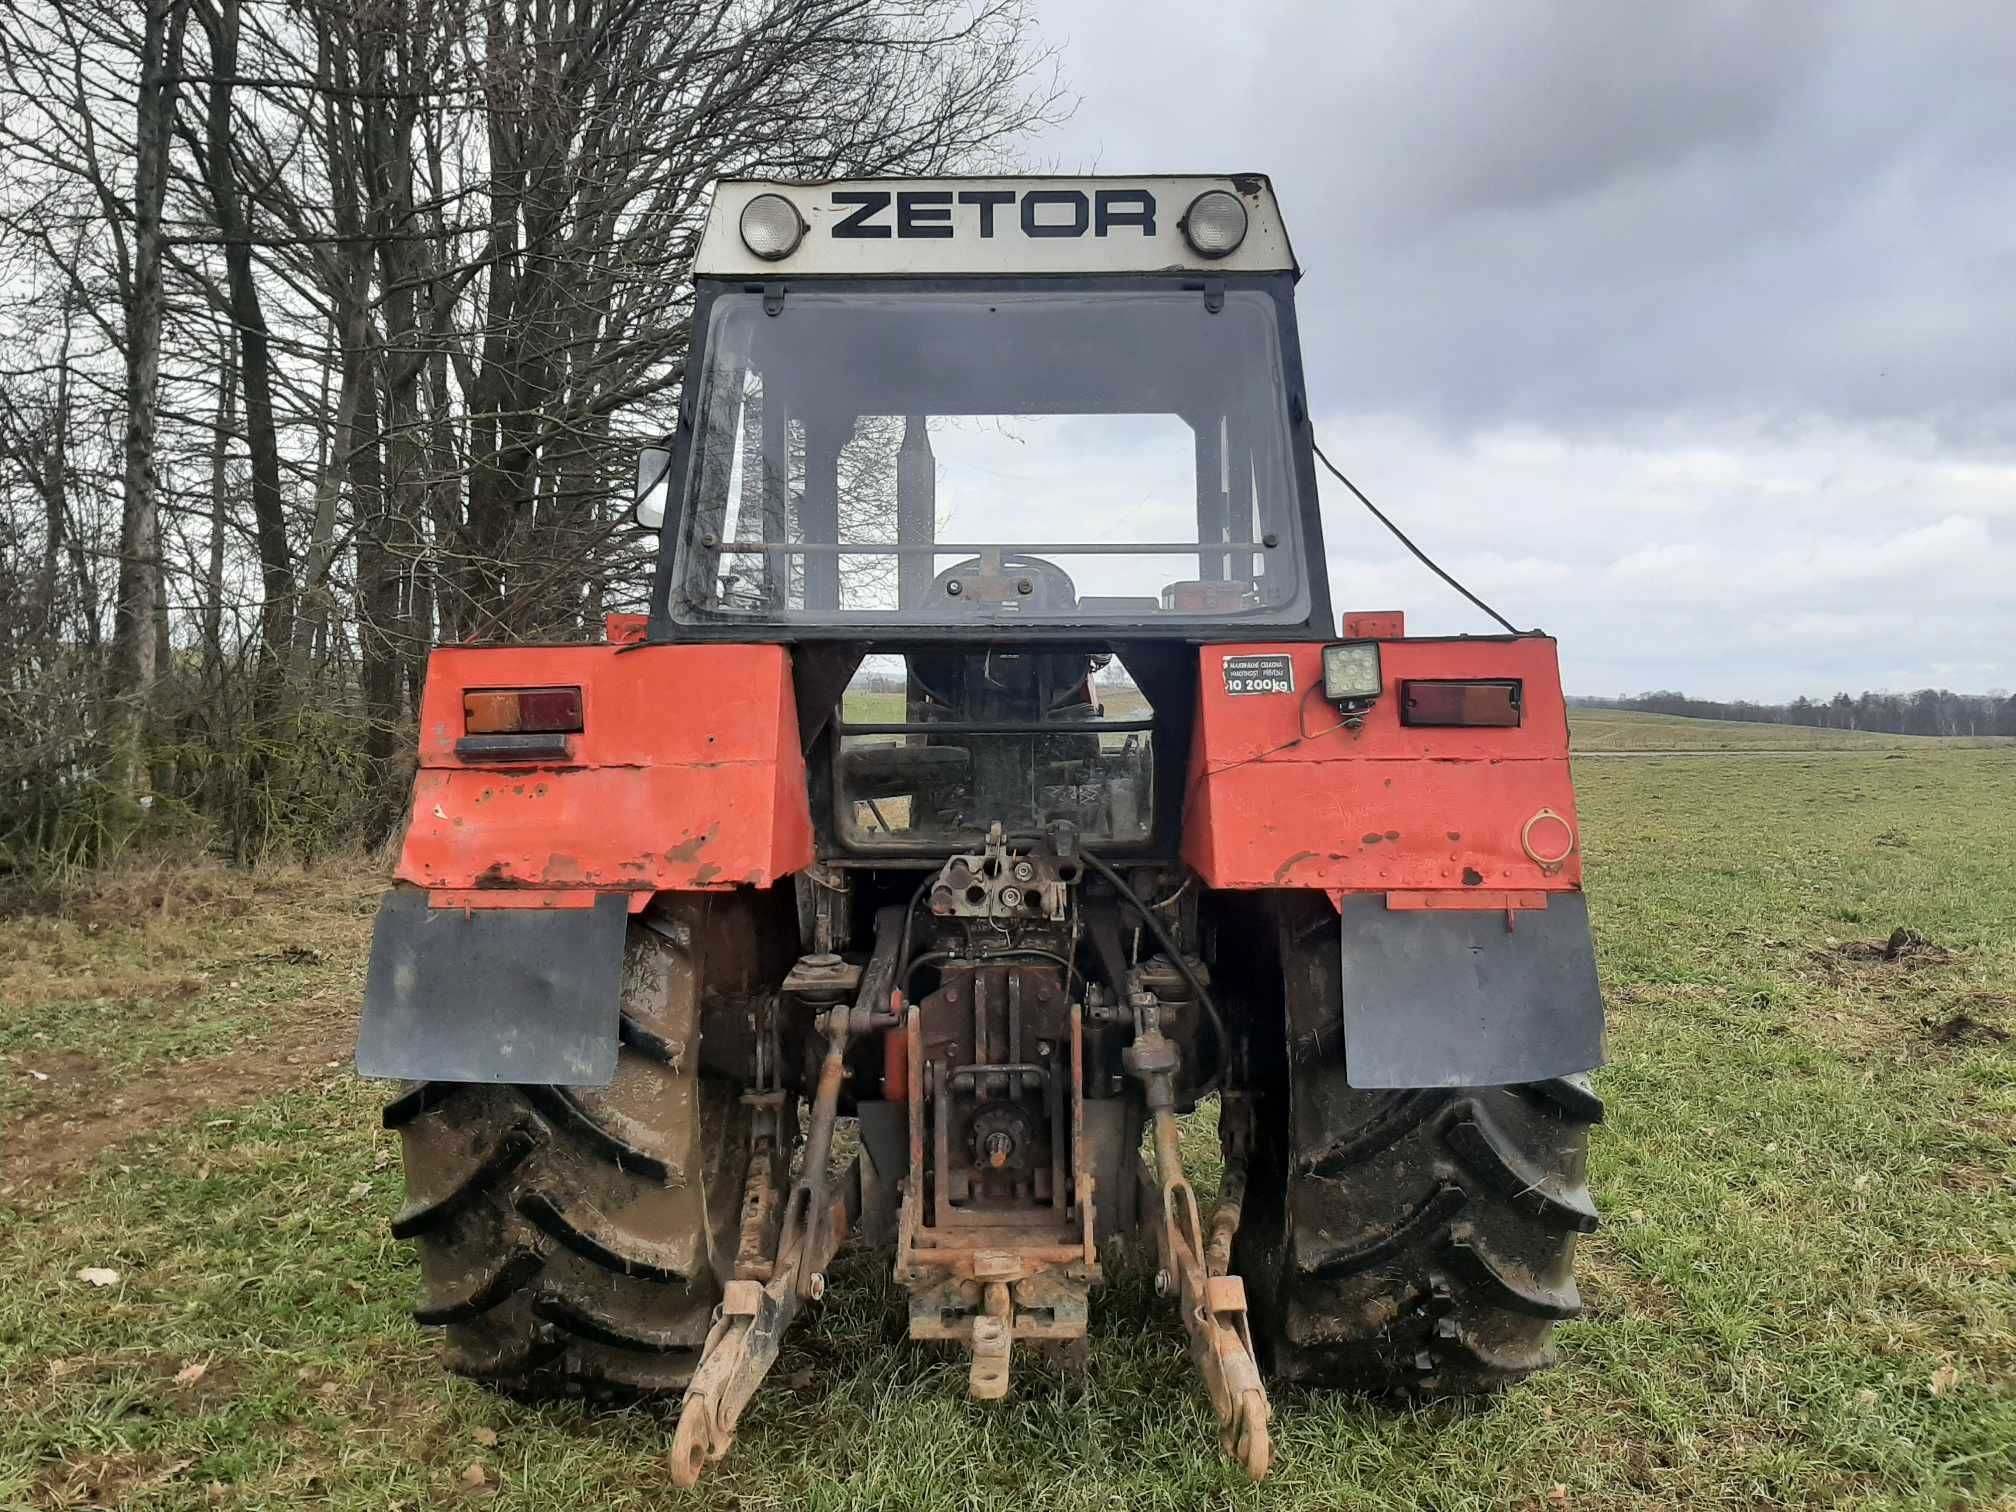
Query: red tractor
{"type": "Point", "coordinates": [990, 775]}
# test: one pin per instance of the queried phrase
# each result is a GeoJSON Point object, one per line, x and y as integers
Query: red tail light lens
{"type": "Point", "coordinates": [522, 711]}
{"type": "Point", "coordinates": [1468, 704]}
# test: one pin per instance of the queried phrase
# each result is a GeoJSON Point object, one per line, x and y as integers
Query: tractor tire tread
{"type": "Point", "coordinates": [551, 1219]}
{"type": "Point", "coordinates": [599, 1328]}
{"type": "Point", "coordinates": [1519, 1292]}
{"type": "Point", "coordinates": [1381, 1133]}
{"type": "Point", "coordinates": [1434, 1210]}
{"type": "Point", "coordinates": [491, 1290]}
{"type": "Point", "coordinates": [560, 1107]}
{"type": "Point", "coordinates": [422, 1097]}
{"type": "Point", "coordinates": [1573, 1095]}
{"type": "Point", "coordinates": [417, 1218]}
{"type": "Point", "coordinates": [574, 1242]}
{"type": "Point", "coordinates": [1479, 1142]}
{"type": "Point", "coordinates": [649, 1043]}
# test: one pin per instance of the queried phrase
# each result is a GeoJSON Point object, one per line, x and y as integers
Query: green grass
{"type": "Point", "coordinates": [1802, 1295]}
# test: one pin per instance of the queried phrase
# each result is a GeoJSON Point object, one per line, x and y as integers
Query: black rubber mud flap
{"type": "Point", "coordinates": [1464, 998]}
{"type": "Point", "coordinates": [526, 995]}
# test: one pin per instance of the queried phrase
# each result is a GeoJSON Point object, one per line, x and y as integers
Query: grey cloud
{"type": "Point", "coordinates": [1571, 212]}
{"type": "Point", "coordinates": [1721, 289]}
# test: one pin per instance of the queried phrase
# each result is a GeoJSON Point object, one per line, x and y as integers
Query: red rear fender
{"type": "Point", "coordinates": [686, 773]}
{"type": "Point", "coordinates": [1284, 792]}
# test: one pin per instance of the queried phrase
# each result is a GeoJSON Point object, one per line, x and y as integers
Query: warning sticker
{"type": "Point", "coordinates": [1259, 674]}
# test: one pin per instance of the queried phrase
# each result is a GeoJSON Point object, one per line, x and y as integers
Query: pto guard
{"type": "Point", "coordinates": [1468, 997]}
{"type": "Point", "coordinates": [525, 995]}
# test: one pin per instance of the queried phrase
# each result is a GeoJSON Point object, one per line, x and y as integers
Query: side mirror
{"type": "Point", "coordinates": [654, 482]}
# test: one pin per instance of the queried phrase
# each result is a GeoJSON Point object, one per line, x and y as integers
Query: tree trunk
{"type": "Point", "coordinates": [220, 514]}
{"type": "Point", "coordinates": [255, 363]}
{"type": "Point", "coordinates": [133, 645]}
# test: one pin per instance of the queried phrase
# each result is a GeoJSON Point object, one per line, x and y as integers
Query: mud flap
{"type": "Point", "coordinates": [1460, 998]}
{"type": "Point", "coordinates": [527, 995]}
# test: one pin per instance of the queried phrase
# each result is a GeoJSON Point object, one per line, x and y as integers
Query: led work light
{"type": "Point", "coordinates": [1351, 672]}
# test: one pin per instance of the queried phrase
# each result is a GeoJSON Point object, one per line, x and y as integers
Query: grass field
{"type": "Point", "coordinates": [1599, 730]}
{"type": "Point", "coordinates": [1802, 1295]}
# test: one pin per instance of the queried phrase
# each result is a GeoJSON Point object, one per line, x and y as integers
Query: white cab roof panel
{"type": "Point", "coordinates": [996, 227]}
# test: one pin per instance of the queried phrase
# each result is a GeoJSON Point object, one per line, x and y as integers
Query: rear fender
{"type": "Point", "coordinates": [501, 958]}
{"type": "Point", "coordinates": [686, 773]}
{"type": "Point", "coordinates": [1453, 855]}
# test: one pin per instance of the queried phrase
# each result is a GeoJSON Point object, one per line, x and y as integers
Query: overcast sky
{"type": "Point", "coordinates": [1685, 331]}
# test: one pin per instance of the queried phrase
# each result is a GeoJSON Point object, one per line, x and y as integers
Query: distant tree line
{"type": "Point", "coordinates": [1929, 711]}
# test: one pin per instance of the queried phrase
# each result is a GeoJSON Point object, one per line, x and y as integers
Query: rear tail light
{"type": "Point", "coordinates": [1470, 704]}
{"type": "Point", "coordinates": [522, 711]}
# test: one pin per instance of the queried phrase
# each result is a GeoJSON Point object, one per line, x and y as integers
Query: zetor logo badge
{"type": "Point", "coordinates": [940, 214]}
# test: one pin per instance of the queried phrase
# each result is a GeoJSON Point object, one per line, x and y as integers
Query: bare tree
{"type": "Point", "coordinates": [448, 246]}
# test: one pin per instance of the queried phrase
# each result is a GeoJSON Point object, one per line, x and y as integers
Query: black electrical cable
{"type": "Point", "coordinates": [1401, 536]}
{"type": "Point", "coordinates": [903, 962]}
{"type": "Point", "coordinates": [1182, 963]}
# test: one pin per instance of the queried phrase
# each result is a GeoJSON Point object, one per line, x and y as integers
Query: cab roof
{"type": "Point", "coordinates": [994, 226]}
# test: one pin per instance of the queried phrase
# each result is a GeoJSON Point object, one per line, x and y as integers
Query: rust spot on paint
{"type": "Point", "coordinates": [1455, 835]}
{"type": "Point", "coordinates": [1370, 837]}
{"type": "Point", "coordinates": [1472, 877]}
{"type": "Point", "coordinates": [1392, 834]}
{"type": "Point", "coordinates": [1281, 872]}
{"type": "Point", "coordinates": [706, 873]}
{"type": "Point", "coordinates": [689, 849]}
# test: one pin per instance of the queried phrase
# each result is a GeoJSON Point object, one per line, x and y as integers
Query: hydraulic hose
{"type": "Point", "coordinates": [1167, 941]}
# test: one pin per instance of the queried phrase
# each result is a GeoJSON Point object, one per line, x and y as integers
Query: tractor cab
{"type": "Point", "coordinates": [1009, 443]}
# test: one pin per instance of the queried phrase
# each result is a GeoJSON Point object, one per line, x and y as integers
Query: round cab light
{"type": "Point", "coordinates": [1215, 223]}
{"type": "Point", "coordinates": [771, 227]}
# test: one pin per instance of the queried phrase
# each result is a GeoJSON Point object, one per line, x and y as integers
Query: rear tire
{"type": "Point", "coordinates": [1416, 1241]}
{"type": "Point", "coordinates": [574, 1239]}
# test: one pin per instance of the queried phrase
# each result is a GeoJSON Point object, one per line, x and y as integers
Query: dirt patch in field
{"type": "Point", "coordinates": [106, 1480]}
{"type": "Point", "coordinates": [1905, 947]}
{"type": "Point", "coordinates": [1963, 1028]}
{"type": "Point", "coordinates": [78, 1113]}
{"type": "Point", "coordinates": [1889, 965]}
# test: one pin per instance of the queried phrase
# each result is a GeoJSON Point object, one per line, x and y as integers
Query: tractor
{"type": "Point", "coordinates": [988, 787]}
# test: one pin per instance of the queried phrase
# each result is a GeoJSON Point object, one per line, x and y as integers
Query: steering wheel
{"type": "Point", "coordinates": [1029, 583]}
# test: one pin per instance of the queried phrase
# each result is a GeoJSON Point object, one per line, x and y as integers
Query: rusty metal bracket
{"type": "Point", "coordinates": [1212, 1303]}
{"type": "Point", "coordinates": [767, 1292]}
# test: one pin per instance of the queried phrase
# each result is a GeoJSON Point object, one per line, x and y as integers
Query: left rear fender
{"type": "Point", "coordinates": [686, 773]}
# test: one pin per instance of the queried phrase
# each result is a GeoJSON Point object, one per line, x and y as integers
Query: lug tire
{"type": "Point", "coordinates": [1412, 1241]}
{"type": "Point", "coordinates": [574, 1240]}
